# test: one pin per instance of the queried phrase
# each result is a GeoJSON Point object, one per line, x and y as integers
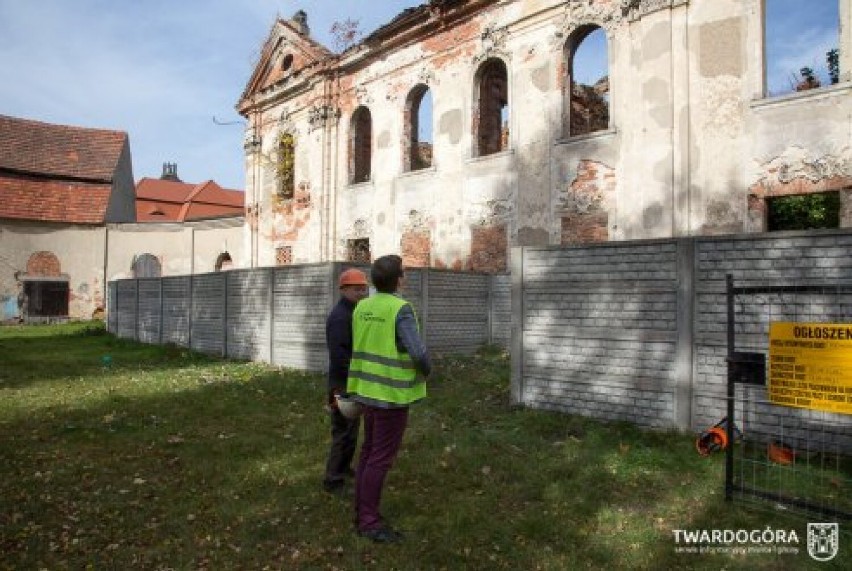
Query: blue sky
{"type": "Point", "coordinates": [162, 69]}
{"type": "Point", "coordinates": [158, 69]}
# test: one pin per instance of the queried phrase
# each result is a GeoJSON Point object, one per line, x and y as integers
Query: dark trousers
{"type": "Point", "coordinates": [383, 431]}
{"type": "Point", "coordinates": [344, 438]}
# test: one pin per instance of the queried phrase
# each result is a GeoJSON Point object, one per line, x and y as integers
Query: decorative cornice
{"type": "Point", "coordinates": [493, 43]}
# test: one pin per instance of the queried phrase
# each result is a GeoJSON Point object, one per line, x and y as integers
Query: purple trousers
{"type": "Point", "coordinates": [383, 431]}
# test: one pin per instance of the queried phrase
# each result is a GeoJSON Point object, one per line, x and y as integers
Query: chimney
{"type": "Point", "coordinates": [170, 172]}
{"type": "Point", "coordinates": [300, 21]}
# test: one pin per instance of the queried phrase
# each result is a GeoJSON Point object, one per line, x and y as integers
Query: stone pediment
{"type": "Point", "coordinates": [288, 55]}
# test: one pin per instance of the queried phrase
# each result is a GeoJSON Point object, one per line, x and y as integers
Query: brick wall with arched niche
{"type": "Point", "coordinates": [44, 264]}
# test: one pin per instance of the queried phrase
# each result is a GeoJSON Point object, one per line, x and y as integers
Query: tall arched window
{"type": "Point", "coordinates": [417, 152]}
{"type": "Point", "coordinates": [286, 167]}
{"type": "Point", "coordinates": [146, 266]}
{"type": "Point", "coordinates": [360, 146]}
{"type": "Point", "coordinates": [491, 118]}
{"type": "Point", "coordinates": [586, 85]}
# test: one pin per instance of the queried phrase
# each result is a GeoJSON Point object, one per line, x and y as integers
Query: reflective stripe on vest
{"type": "Point", "coordinates": [379, 372]}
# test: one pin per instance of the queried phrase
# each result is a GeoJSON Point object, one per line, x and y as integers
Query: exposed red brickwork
{"type": "Point", "coordinates": [416, 246]}
{"type": "Point", "coordinates": [584, 228]}
{"type": "Point", "coordinates": [488, 249]}
{"type": "Point", "coordinates": [585, 215]}
{"type": "Point", "coordinates": [799, 185]}
{"type": "Point", "coordinates": [44, 264]}
{"type": "Point", "coordinates": [772, 187]}
{"type": "Point", "coordinates": [283, 255]}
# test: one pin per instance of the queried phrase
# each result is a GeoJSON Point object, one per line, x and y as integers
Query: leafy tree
{"type": "Point", "coordinates": [345, 34]}
{"type": "Point", "coordinates": [804, 211]}
{"type": "Point", "coordinates": [832, 57]}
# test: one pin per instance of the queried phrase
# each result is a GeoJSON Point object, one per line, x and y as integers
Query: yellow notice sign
{"type": "Point", "coordinates": [810, 365]}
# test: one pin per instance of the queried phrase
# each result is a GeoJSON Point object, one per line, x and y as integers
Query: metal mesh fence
{"type": "Point", "coordinates": [796, 457]}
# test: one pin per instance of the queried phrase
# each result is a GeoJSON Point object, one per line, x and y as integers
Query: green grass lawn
{"type": "Point", "coordinates": [117, 455]}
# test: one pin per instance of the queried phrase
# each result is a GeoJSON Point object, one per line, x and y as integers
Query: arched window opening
{"type": "Point", "coordinates": [586, 86]}
{"type": "Point", "coordinates": [146, 266]}
{"type": "Point", "coordinates": [360, 146]}
{"type": "Point", "coordinates": [286, 166]}
{"type": "Point", "coordinates": [417, 153]}
{"type": "Point", "coordinates": [491, 121]}
{"type": "Point", "coordinates": [224, 262]}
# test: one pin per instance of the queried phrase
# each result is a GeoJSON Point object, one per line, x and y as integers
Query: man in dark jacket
{"type": "Point", "coordinates": [338, 337]}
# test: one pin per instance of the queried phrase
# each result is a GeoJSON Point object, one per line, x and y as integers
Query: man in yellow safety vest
{"type": "Point", "coordinates": [387, 354]}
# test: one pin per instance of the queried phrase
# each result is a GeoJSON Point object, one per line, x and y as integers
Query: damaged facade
{"type": "Point", "coordinates": [678, 138]}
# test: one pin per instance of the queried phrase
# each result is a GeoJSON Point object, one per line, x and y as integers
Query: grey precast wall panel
{"type": "Point", "coordinates": [457, 312]}
{"type": "Point", "coordinates": [303, 298]}
{"type": "Point", "coordinates": [126, 305]}
{"type": "Point", "coordinates": [248, 314]}
{"type": "Point", "coordinates": [149, 310]}
{"type": "Point", "coordinates": [501, 310]}
{"type": "Point", "coordinates": [413, 291]}
{"type": "Point", "coordinates": [600, 330]}
{"type": "Point", "coordinates": [208, 313]}
{"type": "Point", "coordinates": [754, 261]}
{"type": "Point", "coordinates": [176, 304]}
{"type": "Point", "coordinates": [112, 307]}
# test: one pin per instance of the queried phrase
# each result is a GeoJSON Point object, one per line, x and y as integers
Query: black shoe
{"type": "Point", "coordinates": [338, 488]}
{"type": "Point", "coordinates": [382, 535]}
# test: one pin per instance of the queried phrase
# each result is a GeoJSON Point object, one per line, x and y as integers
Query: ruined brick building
{"type": "Point", "coordinates": [679, 135]}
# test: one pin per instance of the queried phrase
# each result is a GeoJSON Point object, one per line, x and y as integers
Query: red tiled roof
{"type": "Point", "coordinates": [32, 198]}
{"type": "Point", "coordinates": [59, 151]}
{"type": "Point", "coordinates": [159, 200]}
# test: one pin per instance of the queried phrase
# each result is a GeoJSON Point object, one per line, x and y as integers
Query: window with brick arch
{"type": "Point", "coordinates": [43, 264]}
{"type": "Point", "coordinates": [417, 132]}
{"type": "Point", "coordinates": [585, 87]}
{"type": "Point", "coordinates": [491, 117]}
{"type": "Point", "coordinates": [360, 146]}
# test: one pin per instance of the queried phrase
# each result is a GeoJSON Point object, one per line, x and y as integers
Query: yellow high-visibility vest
{"type": "Point", "coordinates": [379, 374]}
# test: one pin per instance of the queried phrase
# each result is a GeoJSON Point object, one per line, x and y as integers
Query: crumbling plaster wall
{"type": "Point", "coordinates": [690, 139]}
{"type": "Point", "coordinates": [182, 248]}
{"type": "Point", "coordinates": [79, 249]}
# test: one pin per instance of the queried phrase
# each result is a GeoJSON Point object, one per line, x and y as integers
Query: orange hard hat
{"type": "Point", "coordinates": [353, 277]}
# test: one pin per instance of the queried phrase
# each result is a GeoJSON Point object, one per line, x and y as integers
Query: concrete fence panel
{"type": "Point", "coordinates": [207, 327]}
{"type": "Point", "coordinates": [177, 300]}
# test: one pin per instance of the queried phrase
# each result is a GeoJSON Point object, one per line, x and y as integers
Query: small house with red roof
{"type": "Point", "coordinates": [71, 220]}
{"type": "Point", "coordinates": [59, 186]}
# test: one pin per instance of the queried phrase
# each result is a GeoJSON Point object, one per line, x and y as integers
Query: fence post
{"type": "Point", "coordinates": [189, 316]}
{"type": "Point", "coordinates": [162, 313]}
{"type": "Point", "coordinates": [424, 302]}
{"type": "Point", "coordinates": [517, 340]}
{"type": "Point", "coordinates": [729, 451]}
{"type": "Point", "coordinates": [136, 312]}
{"type": "Point", "coordinates": [271, 285]}
{"type": "Point", "coordinates": [684, 308]}
{"type": "Point", "coordinates": [490, 324]}
{"type": "Point", "coordinates": [225, 315]}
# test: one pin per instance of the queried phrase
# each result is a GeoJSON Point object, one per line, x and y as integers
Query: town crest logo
{"type": "Point", "coordinates": [823, 540]}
